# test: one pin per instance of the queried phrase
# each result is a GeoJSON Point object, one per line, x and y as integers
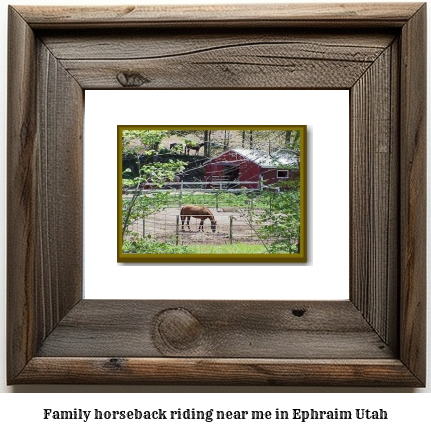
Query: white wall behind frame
{"type": "Point", "coordinates": [324, 277]}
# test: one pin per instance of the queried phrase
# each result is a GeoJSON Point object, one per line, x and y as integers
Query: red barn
{"type": "Point", "coordinates": [250, 167]}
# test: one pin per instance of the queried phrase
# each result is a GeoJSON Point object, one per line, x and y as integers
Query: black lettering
{"type": "Point", "coordinates": [260, 415]}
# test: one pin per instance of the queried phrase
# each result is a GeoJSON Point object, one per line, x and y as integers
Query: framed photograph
{"type": "Point", "coordinates": [376, 337]}
{"type": "Point", "coordinates": [223, 193]}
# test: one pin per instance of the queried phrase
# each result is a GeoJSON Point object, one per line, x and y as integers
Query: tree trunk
{"type": "Point", "coordinates": [206, 143]}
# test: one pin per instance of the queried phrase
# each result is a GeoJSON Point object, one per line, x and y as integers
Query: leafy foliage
{"type": "Point", "coordinates": [134, 244]}
{"type": "Point", "coordinates": [279, 224]}
{"type": "Point", "coordinates": [142, 207]}
{"type": "Point", "coordinates": [137, 141]}
{"type": "Point", "coordinates": [156, 173]}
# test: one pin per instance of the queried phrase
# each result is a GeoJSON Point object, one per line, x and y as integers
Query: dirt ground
{"type": "Point", "coordinates": [162, 226]}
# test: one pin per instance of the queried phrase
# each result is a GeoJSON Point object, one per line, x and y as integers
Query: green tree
{"type": "Point", "coordinates": [280, 223]}
{"type": "Point", "coordinates": [156, 173]}
{"type": "Point", "coordinates": [148, 139]}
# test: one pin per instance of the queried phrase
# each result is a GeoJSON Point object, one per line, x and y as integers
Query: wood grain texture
{"type": "Point", "coordinates": [413, 194]}
{"type": "Point", "coordinates": [241, 329]}
{"type": "Point", "coordinates": [59, 182]}
{"type": "Point", "coordinates": [210, 59]}
{"type": "Point", "coordinates": [146, 45]}
{"type": "Point", "coordinates": [374, 195]}
{"type": "Point", "coordinates": [248, 60]}
{"type": "Point", "coordinates": [56, 53]}
{"type": "Point", "coordinates": [299, 14]}
{"type": "Point", "coordinates": [44, 193]}
{"type": "Point", "coordinates": [197, 371]}
{"type": "Point", "coordinates": [21, 194]}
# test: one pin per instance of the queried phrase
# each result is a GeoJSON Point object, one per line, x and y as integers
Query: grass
{"type": "Point", "coordinates": [220, 199]}
{"type": "Point", "coordinates": [250, 200]}
{"type": "Point", "coordinates": [236, 248]}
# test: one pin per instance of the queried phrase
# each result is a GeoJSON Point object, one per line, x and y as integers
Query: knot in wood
{"type": "Point", "coordinates": [178, 329]}
{"type": "Point", "coordinates": [298, 312]}
{"type": "Point", "coordinates": [115, 363]}
{"type": "Point", "coordinates": [131, 79]}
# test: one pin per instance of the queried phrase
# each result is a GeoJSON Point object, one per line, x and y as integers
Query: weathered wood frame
{"type": "Point", "coordinates": [376, 338]}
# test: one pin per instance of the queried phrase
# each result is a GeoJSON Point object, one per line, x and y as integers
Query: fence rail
{"type": "Point", "coordinates": [241, 219]}
{"type": "Point", "coordinates": [231, 228]}
{"type": "Point", "coordinates": [201, 186]}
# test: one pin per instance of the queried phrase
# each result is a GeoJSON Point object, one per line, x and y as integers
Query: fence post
{"type": "Point", "coordinates": [230, 229]}
{"type": "Point", "coordinates": [143, 227]}
{"type": "Point", "coordinates": [177, 231]}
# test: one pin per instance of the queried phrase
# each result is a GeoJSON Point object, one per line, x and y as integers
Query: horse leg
{"type": "Point", "coordinates": [201, 225]}
{"type": "Point", "coordinates": [188, 222]}
{"type": "Point", "coordinates": [182, 223]}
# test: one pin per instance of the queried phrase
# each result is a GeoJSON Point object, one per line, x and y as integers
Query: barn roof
{"type": "Point", "coordinates": [264, 159]}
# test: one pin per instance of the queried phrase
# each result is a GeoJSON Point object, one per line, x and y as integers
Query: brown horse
{"type": "Point", "coordinates": [195, 147]}
{"type": "Point", "coordinates": [198, 212]}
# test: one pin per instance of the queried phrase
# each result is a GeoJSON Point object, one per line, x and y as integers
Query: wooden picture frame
{"type": "Point", "coordinates": [376, 338]}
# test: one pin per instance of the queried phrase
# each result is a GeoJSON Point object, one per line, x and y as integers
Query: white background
{"type": "Point", "coordinates": [25, 410]}
{"type": "Point", "coordinates": [328, 194]}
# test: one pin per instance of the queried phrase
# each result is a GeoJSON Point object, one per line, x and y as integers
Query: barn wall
{"type": "Point", "coordinates": [214, 169]}
{"type": "Point", "coordinates": [249, 171]}
{"type": "Point", "coordinates": [269, 175]}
